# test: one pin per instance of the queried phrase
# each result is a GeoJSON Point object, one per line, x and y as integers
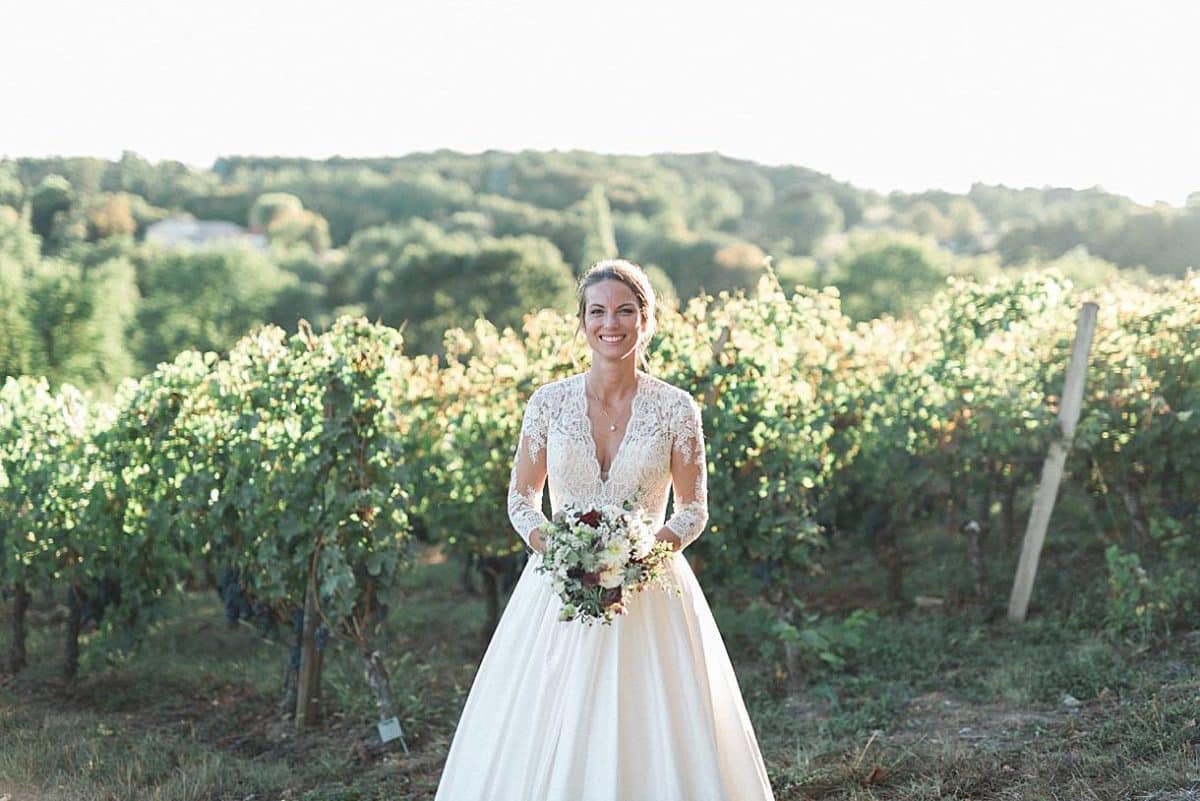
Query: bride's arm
{"type": "Point", "coordinates": [689, 478]}
{"type": "Point", "coordinates": [529, 475]}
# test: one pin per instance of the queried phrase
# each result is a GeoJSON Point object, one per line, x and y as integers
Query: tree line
{"type": "Point", "coordinates": [431, 241]}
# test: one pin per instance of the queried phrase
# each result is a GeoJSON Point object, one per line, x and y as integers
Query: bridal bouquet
{"type": "Point", "coordinates": [596, 557]}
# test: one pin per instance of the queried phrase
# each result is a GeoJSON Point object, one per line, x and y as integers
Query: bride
{"type": "Point", "coordinates": [647, 708]}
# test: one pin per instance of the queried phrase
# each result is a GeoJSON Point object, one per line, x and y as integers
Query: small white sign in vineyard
{"type": "Point", "coordinates": [390, 730]}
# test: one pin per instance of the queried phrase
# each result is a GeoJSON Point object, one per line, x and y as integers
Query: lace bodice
{"type": "Point", "coordinates": [663, 446]}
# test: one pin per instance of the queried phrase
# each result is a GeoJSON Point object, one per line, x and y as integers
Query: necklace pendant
{"type": "Point", "coordinates": [612, 427]}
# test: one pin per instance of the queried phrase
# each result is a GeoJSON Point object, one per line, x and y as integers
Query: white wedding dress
{"type": "Point", "coordinates": [645, 709]}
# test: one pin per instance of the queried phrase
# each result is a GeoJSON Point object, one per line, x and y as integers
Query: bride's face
{"type": "Point", "coordinates": [612, 320]}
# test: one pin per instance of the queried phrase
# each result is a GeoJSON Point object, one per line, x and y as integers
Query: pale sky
{"type": "Point", "coordinates": [886, 95]}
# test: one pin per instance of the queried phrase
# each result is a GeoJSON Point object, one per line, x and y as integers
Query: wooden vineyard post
{"type": "Point", "coordinates": [17, 657]}
{"type": "Point", "coordinates": [1052, 469]}
{"type": "Point", "coordinates": [310, 658]}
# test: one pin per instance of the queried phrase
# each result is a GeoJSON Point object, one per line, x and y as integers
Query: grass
{"type": "Point", "coordinates": [932, 704]}
{"type": "Point", "coordinates": [996, 721]}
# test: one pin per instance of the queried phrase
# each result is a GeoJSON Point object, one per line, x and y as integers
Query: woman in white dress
{"type": "Point", "coordinates": [647, 708]}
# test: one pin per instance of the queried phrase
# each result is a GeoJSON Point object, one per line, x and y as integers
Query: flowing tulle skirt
{"type": "Point", "coordinates": [647, 709]}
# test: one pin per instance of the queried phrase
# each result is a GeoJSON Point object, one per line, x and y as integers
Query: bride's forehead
{"type": "Point", "coordinates": [609, 293]}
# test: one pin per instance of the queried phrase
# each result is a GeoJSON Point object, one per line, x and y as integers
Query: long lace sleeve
{"type": "Point", "coordinates": [689, 473]}
{"type": "Point", "coordinates": [529, 470]}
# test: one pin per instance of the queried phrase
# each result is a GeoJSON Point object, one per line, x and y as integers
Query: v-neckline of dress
{"type": "Point", "coordinates": [591, 428]}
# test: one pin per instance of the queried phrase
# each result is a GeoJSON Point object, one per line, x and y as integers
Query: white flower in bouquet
{"type": "Point", "coordinates": [612, 576]}
{"type": "Point", "coordinates": [643, 541]}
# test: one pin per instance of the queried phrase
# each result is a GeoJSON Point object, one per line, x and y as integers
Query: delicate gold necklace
{"type": "Point", "coordinates": [612, 424]}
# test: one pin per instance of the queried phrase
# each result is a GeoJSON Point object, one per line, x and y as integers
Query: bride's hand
{"type": "Point", "coordinates": [537, 540]}
{"type": "Point", "coordinates": [670, 537]}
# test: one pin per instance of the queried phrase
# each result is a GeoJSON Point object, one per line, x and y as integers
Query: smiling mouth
{"type": "Point", "coordinates": [613, 338]}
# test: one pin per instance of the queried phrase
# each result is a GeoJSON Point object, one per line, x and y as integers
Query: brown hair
{"type": "Point", "coordinates": [632, 276]}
